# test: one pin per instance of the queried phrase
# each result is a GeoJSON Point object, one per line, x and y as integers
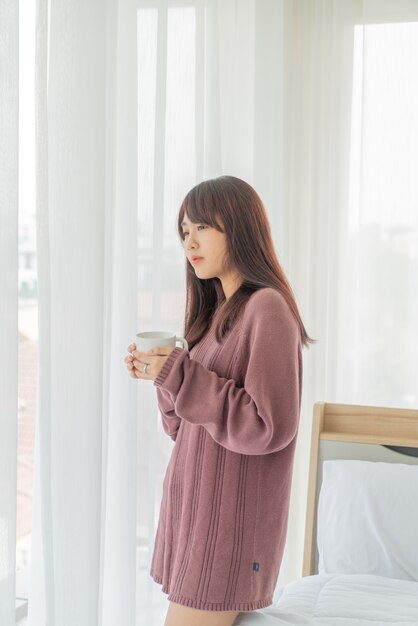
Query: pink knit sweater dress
{"type": "Point", "coordinates": [232, 409]}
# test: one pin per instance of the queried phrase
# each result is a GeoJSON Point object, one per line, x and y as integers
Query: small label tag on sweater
{"type": "Point", "coordinates": [256, 567]}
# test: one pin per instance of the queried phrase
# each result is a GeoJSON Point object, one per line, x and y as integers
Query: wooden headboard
{"type": "Point", "coordinates": [349, 431]}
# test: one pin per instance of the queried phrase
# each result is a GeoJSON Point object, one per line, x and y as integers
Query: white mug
{"type": "Point", "coordinates": [157, 339]}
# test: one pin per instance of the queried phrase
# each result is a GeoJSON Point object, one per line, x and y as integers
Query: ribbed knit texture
{"type": "Point", "coordinates": [233, 411]}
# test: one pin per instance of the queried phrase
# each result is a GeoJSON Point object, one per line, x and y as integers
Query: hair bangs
{"type": "Point", "coordinates": [200, 207]}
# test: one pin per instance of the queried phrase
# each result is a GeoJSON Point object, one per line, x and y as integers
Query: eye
{"type": "Point", "coordinates": [198, 227]}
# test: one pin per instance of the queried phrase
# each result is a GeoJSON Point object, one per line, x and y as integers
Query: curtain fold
{"type": "Point", "coordinates": [70, 280]}
{"type": "Point", "coordinates": [41, 605]}
{"type": "Point", "coordinates": [9, 158]}
{"type": "Point", "coordinates": [119, 479]}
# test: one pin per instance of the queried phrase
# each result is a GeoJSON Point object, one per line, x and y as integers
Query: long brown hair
{"type": "Point", "coordinates": [251, 252]}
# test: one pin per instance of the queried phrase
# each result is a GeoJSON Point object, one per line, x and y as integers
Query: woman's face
{"type": "Point", "coordinates": [207, 251]}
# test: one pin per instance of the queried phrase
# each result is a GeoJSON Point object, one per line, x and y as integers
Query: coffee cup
{"type": "Point", "coordinates": [158, 339]}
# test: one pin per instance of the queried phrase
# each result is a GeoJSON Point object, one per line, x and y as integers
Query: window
{"type": "Point", "coordinates": [379, 294]}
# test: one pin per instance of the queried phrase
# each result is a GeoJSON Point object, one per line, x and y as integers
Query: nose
{"type": "Point", "coordinates": [191, 243]}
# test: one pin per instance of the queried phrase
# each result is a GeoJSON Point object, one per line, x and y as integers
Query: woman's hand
{"type": "Point", "coordinates": [146, 365]}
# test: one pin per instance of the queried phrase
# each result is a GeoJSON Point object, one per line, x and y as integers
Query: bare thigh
{"type": "Point", "coordinates": [179, 615]}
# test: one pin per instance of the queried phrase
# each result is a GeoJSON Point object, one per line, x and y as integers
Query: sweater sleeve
{"type": "Point", "coordinates": [170, 421]}
{"type": "Point", "coordinates": [262, 416]}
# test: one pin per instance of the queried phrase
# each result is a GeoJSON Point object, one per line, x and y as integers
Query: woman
{"type": "Point", "coordinates": [232, 407]}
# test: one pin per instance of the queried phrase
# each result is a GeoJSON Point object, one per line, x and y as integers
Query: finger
{"type": "Point", "coordinates": [137, 371]}
{"type": "Point", "coordinates": [140, 356]}
{"type": "Point", "coordinates": [140, 365]}
{"type": "Point", "coordinates": [160, 351]}
{"type": "Point", "coordinates": [132, 347]}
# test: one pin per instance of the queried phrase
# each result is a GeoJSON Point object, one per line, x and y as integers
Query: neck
{"type": "Point", "coordinates": [230, 284]}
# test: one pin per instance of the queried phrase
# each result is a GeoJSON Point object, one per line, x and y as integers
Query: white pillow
{"type": "Point", "coordinates": [368, 519]}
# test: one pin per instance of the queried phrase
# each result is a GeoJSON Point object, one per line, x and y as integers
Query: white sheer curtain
{"type": "Point", "coordinates": [351, 208]}
{"type": "Point", "coordinates": [135, 103]}
{"type": "Point", "coordinates": [9, 142]}
{"type": "Point", "coordinates": [83, 539]}
{"type": "Point", "coordinates": [318, 61]}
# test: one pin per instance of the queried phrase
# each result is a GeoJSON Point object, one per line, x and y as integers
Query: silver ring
{"type": "Point", "coordinates": [144, 371]}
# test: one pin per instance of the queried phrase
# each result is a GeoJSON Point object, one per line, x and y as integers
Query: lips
{"type": "Point", "coordinates": [196, 259]}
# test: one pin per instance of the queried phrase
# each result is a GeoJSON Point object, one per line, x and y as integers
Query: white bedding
{"type": "Point", "coordinates": [340, 599]}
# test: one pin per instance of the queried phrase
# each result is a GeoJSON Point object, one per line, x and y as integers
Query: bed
{"type": "Point", "coordinates": [361, 539]}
